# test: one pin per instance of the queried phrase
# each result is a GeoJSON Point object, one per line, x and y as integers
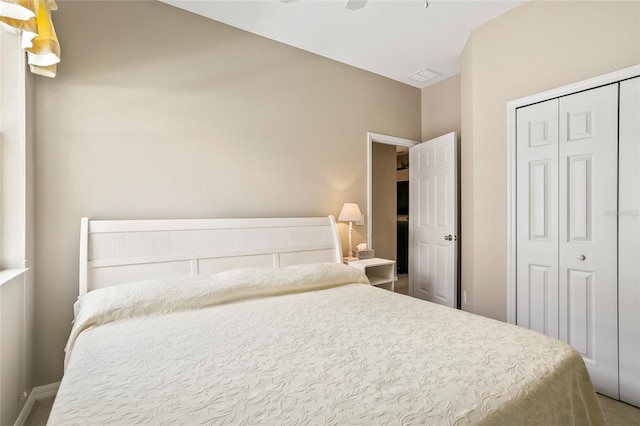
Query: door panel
{"type": "Point", "coordinates": [580, 208]}
{"type": "Point", "coordinates": [441, 279]}
{"type": "Point", "coordinates": [588, 190]}
{"type": "Point", "coordinates": [424, 213]}
{"type": "Point", "coordinates": [442, 206]}
{"type": "Point", "coordinates": [433, 221]}
{"type": "Point", "coordinates": [421, 278]}
{"type": "Point", "coordinates": [629, 241]}
{"type": "Point", "coordinates": [537, 217]}
{"type": "Point", "coordinates": [539, 199]}
{"type": "Point", "coordinates": [540, 318]}
{"type": "Point", "coordinates": [580, 287]}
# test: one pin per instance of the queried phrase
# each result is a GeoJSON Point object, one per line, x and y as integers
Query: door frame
{"type": "Point", "coordinates": [388, 140]}
{"type": "Point", "coordinates": [601, 80]}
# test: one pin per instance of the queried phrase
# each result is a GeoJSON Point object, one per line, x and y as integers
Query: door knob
{"type": "Point", "coordinates": [581, 257]}
{"type": "Point", "coordinates": [448, 237]}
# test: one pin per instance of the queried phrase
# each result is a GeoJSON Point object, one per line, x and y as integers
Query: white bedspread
{"type": "Point", "coordinates": [252, 347]}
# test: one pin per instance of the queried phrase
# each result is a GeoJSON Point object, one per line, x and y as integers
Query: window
{"type": "Point", "coordinates": [12, 153]}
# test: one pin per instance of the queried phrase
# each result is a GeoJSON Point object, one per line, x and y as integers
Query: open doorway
{"type": "Point", "coordinates": [388, 202]}
{"type": "Point", "coordinates": [402, 219]}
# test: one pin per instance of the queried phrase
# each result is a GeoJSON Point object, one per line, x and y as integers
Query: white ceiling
{"type": "Point", "coordinates": [393, 38]}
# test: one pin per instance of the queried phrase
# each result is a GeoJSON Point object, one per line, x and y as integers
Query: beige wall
{"type": "Point", "coordinates": [441, 112]}
{"type": "Point", "coordinates": [383, 200]}
{"type": "Point", "coordinates": [535, 47]}
{"type": "Point", "coordinates": [440, 108]}
{"type": "Point", "coordinates": [159, 113]}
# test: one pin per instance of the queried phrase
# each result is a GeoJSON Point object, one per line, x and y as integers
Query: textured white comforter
{"type": "Point", "coordinates": [303, 346]}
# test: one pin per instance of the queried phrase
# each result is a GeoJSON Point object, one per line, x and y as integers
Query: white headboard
{"type": "Point", "coordinates": [118, 251]}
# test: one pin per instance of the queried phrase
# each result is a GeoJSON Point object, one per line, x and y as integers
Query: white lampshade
{"type": "Point", "coordinates": [350, 213]}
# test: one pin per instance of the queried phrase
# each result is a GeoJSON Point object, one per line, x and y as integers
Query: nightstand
{"type": "Point", "coordinates": [381, 272]}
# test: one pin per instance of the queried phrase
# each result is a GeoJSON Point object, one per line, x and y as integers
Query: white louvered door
{"type": "Point", "coordinates": [567, 226]}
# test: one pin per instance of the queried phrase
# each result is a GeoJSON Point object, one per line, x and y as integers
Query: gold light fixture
{"type": "Point", "coordinates": [33, 19]}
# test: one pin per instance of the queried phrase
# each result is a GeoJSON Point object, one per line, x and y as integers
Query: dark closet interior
{"type": "Point", "coordinates": [402, 254]}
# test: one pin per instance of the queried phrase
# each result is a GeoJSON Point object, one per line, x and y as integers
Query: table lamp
{"type": "Point", "coordinates": [350, 213]}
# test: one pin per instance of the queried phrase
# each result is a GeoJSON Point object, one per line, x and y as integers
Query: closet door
{"type": "Point", "coordinates": [629, 241]}
{"type": "Point", "coordinates": [588, 191]}
{"type": "Point", "coordinates": [537, 217]}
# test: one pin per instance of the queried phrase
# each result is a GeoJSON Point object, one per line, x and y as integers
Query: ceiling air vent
{"type": "Point", "coordinates": [424, 75]}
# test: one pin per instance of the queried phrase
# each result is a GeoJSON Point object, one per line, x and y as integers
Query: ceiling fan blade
{"type": "Point", "coordinates": [355, 4]}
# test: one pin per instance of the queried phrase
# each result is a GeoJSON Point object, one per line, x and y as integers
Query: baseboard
{"type": "Point", "coordinates": [26, 410]}
{"type": "Point", "coordinates": [38, 393]}
{"type": "Point", "coordinates": [46, 391]}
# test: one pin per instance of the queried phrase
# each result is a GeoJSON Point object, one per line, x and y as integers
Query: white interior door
{"type": "Point", "coordinates": [588, 255]}
{"type": "Point", "coordinates": [629, 242]}
{"type": "Point", "coordinates": [537, 217]}
{"type": "Point", "coordinates": [433, 220]}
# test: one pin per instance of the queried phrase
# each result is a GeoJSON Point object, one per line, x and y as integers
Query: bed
{"type": "Point", "coordinates": [257, 322]}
